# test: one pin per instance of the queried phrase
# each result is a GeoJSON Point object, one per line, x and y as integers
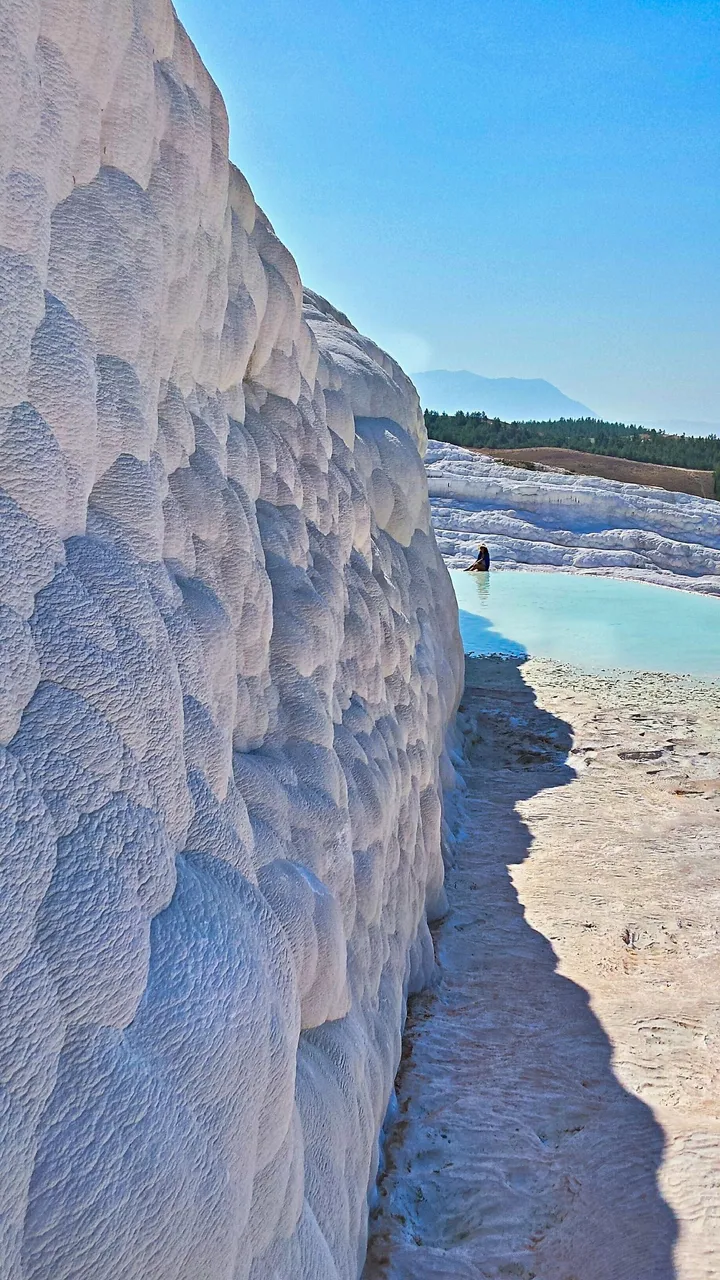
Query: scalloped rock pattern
{"type": "Point", "coordinates": [228, 660]}
{"type": "Point", "coordinates": [570, 522]}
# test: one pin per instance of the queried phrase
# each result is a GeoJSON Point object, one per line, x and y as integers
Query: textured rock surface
{"type": "Point", "coordinates": [228, 656]}
{"type": "Point", "coordinates": [575, 522]}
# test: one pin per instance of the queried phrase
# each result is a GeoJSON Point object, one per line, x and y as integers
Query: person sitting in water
{"type": "Point", "coordinates": [482, 564]}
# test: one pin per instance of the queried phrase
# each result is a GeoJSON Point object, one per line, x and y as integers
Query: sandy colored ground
{"type": "Point", "coordinates": [677, 479]}
{"type": "Point", "coordinates": [559, 1098]}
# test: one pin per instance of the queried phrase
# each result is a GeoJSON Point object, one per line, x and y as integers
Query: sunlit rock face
{"type": "Point", "coordinates": [228, 658]}
{"type": "Point", "coordinates": [560, 521]}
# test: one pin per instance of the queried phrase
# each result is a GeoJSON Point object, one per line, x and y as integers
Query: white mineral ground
{"type": "Point", "coordinates": [559, 1099]}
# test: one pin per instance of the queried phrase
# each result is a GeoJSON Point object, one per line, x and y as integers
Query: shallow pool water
{"type": "Point", "coordinates": [594, 623]}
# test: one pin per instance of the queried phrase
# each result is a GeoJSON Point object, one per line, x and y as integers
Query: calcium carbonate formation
{"type": "Point", "coordinates": [228, 659]}
{"type": "Point", "coordinates": [559, 521]}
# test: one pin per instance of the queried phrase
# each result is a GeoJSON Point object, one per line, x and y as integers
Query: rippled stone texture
{"type": "Point", "coordinates": [228, 659]}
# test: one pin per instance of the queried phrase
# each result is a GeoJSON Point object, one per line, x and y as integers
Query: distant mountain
{"type": "Point", "coordinates": [513, 399]}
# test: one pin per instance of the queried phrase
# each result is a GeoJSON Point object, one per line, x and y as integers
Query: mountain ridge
{"type": "Point", "coordinates": [513, 399]}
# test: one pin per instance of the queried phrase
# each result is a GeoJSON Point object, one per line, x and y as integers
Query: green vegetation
{"type": "Point", "coordinates": [590, 435]}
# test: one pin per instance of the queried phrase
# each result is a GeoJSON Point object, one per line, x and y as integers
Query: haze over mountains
{"type": "Point", "coordinates": [513, 399]}
{"type": "Point", "coordinates": [524, 400]}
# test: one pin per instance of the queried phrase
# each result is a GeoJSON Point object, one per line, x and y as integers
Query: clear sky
{"type": "Point", "coordinates": [525, 188]}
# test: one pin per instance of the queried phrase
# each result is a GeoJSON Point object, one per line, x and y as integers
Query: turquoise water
{"type": "Point", "coordinates": [594, 623]}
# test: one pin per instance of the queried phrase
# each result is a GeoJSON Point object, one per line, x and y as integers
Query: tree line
{"type": "Point", "coordinates": [590, 435]}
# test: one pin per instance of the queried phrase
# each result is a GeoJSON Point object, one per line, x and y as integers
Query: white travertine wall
{"type": "Point", "coordinates": [228, 658]}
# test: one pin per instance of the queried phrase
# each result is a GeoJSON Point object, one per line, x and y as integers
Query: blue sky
{"type": "Point", "coordinates": [525, 188]}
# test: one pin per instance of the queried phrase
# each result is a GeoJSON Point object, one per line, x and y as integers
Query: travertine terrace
{"type": "Point", "coordinates": [579, 523]}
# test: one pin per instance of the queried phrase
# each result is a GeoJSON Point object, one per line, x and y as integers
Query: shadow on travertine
{"type": "Point", "coordinates": [517, 1152]}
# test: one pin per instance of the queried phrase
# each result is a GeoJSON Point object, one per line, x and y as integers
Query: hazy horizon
{"type": "Point", "coordinates": [526, 191]}
{"type": "Point", "coordinates": [676, 426]}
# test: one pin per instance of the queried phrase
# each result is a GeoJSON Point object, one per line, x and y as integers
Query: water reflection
{"type": "Point", "coordinates": [482, 586]}
{"type": "Point", "coordinates": [480, 632]}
